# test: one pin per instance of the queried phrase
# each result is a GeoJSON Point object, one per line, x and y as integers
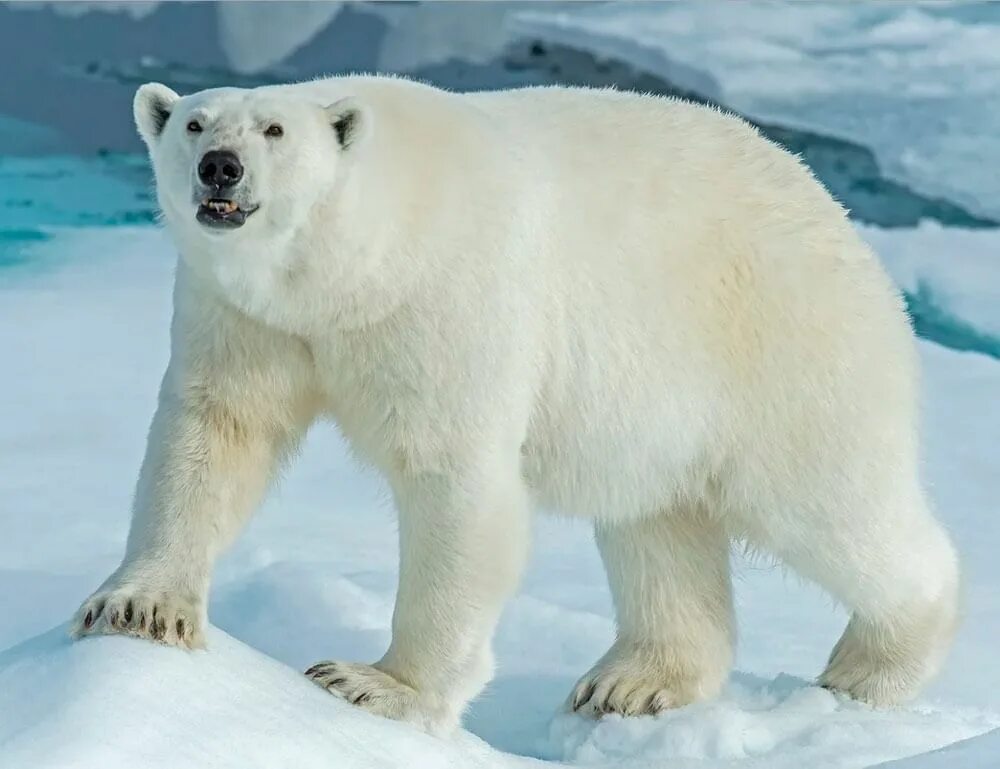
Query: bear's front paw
{"type": "Point", "coordinates": [374, 690]}
{"type": "Point", "coordinates": [164, 617]}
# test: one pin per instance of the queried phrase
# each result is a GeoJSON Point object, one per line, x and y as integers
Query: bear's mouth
{"type": "Point", "coordinates": [223, 213]}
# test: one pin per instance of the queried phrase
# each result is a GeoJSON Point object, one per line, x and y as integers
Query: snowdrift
{"type": "Point", "coordinates": [113, 702]}
{"type": "Point", "coordinates": [119, 702]}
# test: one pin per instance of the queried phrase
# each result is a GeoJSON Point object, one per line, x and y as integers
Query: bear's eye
{"type": "Point", "coordinates": [194, 127]}
{"type": "Point", "coordinates": [274, 130]}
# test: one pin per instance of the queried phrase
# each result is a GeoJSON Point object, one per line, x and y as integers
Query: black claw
{"type": "Point", "coordinates": [335, 682]}
{"type": "Point", "coordinates": [584, 697]}
{"type": "Point", "coordinates": [128, 611]}
{"type": "Point", "coordinates": [361, 698]}
{"type": "Point", "coordinates": [180, 628]}
{"type": "Point", "coordinates": [88, 620]}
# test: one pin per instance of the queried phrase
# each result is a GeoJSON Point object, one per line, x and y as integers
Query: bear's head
{"type": "Point", "coordinates": [232, 160]}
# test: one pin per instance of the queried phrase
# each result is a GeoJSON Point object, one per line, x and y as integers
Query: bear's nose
{"type": "Point", "coordinates": [220, 168]}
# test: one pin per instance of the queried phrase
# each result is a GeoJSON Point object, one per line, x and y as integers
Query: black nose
{"type": "Point", "coordinates": [220, 168]}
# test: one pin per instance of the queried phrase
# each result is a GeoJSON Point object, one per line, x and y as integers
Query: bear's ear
{"type": "Point", "coordinates": [152, 106]}
{"type": "Point", "coordinates": [349, 120]}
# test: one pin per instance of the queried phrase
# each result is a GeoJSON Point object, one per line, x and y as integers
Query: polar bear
{"type": "Point", "coordinates": [622, 307]}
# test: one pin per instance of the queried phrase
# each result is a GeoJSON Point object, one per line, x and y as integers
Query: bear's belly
{"type": "Point", "coordinates": [630, 460]}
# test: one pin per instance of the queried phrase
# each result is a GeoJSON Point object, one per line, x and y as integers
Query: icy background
{"type": "Point", "coordinates": [893, 105]}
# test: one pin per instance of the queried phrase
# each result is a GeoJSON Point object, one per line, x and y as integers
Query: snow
{"type": "Point", "coordinates": [978, 753]}
{"type": "Point", "coordinates": [770, 724]}
{"type": "Point", "coordinates": [83, 340]}
{"type": "Point", "coordinates": [913, 82]}
{"type": "Point", "coordinates": [230, 707]}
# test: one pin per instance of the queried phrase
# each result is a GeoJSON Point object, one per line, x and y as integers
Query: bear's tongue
{"type": "Point", "coordinates": [220, 205]}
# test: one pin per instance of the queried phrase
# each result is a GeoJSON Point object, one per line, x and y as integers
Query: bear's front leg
{"type": "Point", "coordinates": [206, 467]}
{"type": "Point", "coordinates": [463, 540]}
{"type": "Point", "coordinates": [231, 404]}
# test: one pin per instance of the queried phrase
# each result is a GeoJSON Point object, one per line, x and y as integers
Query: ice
{"type": "Point", "coordinates": [951, 278]}
{"type": "Point", "coordinates": [23, 137]}
{"type": "Point", "coordinates": [83, 341]}
{"type": "Point", "coordinates": [68, 190]}
{"type": "Point", "coordinates": [425, 34]}
{"type": "Point", "coordinates": [256, 36]}
{"type": "Point", "coordinates": [39, 193]}
{"type": "Point", "coordinates": [136, 9]}
{"type": "Point", "coordinates": [913, 82]}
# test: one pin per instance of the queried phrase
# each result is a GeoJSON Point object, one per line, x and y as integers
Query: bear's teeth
{"type": "Point", "coordinates": [221, 206]}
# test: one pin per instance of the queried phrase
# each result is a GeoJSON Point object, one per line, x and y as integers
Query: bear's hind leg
{"type": "Point", "coordinates": [898, 573]}
{"type": "Point", "coordinates": [669, 577]}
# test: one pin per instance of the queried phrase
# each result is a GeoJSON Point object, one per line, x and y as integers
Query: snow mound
{"type": "Point", "coordinates": [771, 724]}
{"type": "Point", "coordinates": [119, 702]}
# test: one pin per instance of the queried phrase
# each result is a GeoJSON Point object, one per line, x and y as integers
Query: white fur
{"type": "Point", "coordinates": [621, 307]}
